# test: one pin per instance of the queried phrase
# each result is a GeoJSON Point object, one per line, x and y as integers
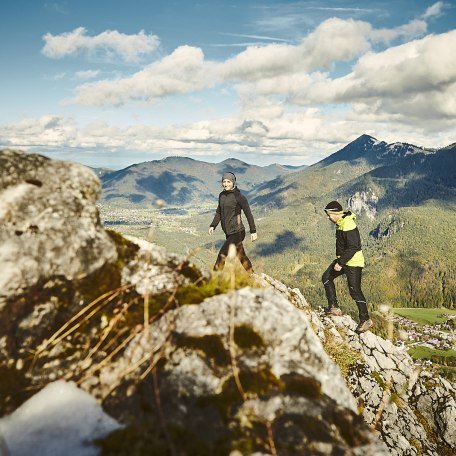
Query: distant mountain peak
{"type": "Point", "coordinates": [364, 142]}
{"type": "Point", "coordinates": [233, 161]}
{"type": "Point", "coordinates": [174, 158]}
{"type": "Point", "coordinates": [367, 137]}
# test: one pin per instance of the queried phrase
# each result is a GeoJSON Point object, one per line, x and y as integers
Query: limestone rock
{"type": "Point", "coordinates": [366, 200]}
{"type": "Point", "coordinates": [435, 401]}
{"type": "Point", "coordinates": [49, 222]}
{"type": "Point", "coordinates": [387, 384]}
{"type": "Point", "coordinates": [286, 380]}
{"type": "Point", "coordinates": [294, 295]}
{"type": "Point", "coordinates": [153, 270]}
{"type": "Point", "coordinates": [50, 236]}
{"type": "Point", "coordinates": [414, 411]}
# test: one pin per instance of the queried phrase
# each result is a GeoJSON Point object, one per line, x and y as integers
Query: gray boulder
{"type": "Point", "coordinates": [56, 262]}
{"type": "Point", "coordinates": [49, 222]}
{"type": "Point", "coordinates": [413, 416]}
{"type": "Point", "coordinates": [269, 381]}
{"type": "Point", "coordinates": [50, 234]}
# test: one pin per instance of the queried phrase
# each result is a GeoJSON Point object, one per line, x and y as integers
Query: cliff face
{"type": "Point", "coordinates": [187, 363]}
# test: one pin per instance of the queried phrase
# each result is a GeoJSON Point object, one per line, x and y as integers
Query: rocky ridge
{"type": "Point", "coordinates": [214, 369]}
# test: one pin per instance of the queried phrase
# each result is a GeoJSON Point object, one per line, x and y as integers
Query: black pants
{"type": "Point", "coordinates": [235, 239]}
{"type": "Point", "coordinates": [353, 274]}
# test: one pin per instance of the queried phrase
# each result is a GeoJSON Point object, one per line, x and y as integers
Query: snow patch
{"type": "Point", "coordinates": [59, 420]}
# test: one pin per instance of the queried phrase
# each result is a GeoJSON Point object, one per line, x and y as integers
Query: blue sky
{"type": "Point", "coordinates": [111, 83]}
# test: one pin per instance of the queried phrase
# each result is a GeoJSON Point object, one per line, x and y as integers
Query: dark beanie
{"type": "Point", "coordinates": [333, 206]}
{"type": "Point", "coordinates": [229, 176]}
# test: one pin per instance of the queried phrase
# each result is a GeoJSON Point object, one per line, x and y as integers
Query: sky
{"type": "Point", "coordinates": [110, 83]}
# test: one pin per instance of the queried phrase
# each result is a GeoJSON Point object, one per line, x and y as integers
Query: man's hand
{"type": "Point", "coordinates": [253, 237]}
{"type": "Point", "coordinates": [211, 230]}
{"type": "Point", "coordinates": [337, 267]}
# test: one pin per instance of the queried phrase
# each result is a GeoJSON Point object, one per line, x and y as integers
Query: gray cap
{"type": "Point", "coordinates": [229, 176]}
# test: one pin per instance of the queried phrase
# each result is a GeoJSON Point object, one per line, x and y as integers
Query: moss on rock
{"type": "Point", "coordinates": [211, 345]}
{"type": "Point", "coordinates": [246, 337]}
{"type": "Point", "coordinates": [341, 353]}
{"type": "Point", "coordinates": [301, 385]}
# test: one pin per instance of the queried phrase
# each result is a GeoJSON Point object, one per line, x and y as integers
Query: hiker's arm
{"type": "Point", "coordinates": [216, 220]}
{"type": "Point", "coordinates": [248, 213]}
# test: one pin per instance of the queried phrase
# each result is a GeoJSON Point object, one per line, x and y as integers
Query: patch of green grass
{"type": "Point", "coordinates": [217, 283]}
{"type": "Point", "coordinates": [419, 352]}
{"type": "Point", "coordinates": [447, 372]}
{"type": "Point", "coordinates": [424, 316]}
{"type": "Point", "coordinates": [378, 378]}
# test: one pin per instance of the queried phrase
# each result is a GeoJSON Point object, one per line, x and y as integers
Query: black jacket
{"type": "Point", "coordinates": [229, 212]}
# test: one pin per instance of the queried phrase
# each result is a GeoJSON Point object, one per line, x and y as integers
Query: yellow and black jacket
{"type": "Point", "coordinates": [348, 241]}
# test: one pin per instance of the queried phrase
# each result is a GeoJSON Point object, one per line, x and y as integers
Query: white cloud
{"type": "Point", "coordinates": [416, 80]}
{"type": "Point", "coordinates": [88, 74]}
{"type": "Point", "coordinates": [412, 29]}
{"type": "Point", "coordinates": [59, 76]}
{"type": "Point", "coordinates": [255, 37]}
{"type": "Point", "coordinates": [276, 68]}
{"type": "Point", "coordinates": [285, 134]}
{"type": "Point", "coordinates": [61, 8]}
{"type": "Point", "coordinates": [434, 10]}
{"type": "Point", "coordinates": [109, 42]}
{"type": "Point", "coordinates": [186, 70]}
{"type": "Point", "coordinates": [48, 130]}
{"type": "Point", "coordinates": [183, 71]}
{"type": "Point", "coordinates": [333, 40]}
{"type": "Point", "coordinates": [261, 127]}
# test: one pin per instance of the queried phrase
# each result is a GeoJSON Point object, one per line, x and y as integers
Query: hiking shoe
{"type": "Point", "coordinates": [363, 326]}
{"type": "Point", "coordinates": [336, 311]}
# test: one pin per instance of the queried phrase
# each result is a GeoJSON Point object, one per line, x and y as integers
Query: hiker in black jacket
{"type": "Point", "coordinates": [231, 202]}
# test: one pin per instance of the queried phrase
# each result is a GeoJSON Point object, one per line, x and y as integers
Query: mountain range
{"type": "Point", "coordinates": [180, 181]}
{"type": "Point", "coordinates": [397, 174]}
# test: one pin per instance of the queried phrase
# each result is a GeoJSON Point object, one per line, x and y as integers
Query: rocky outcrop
{"type": "Point", "coordinates": [366, 200]}
{"type": "Point", "coordinates": [49, 222]}
{"type": "Point", "coordinates": [187, 364]}
{"type": "Point", "coordinates": [49, 233]}
{"type": "Point", "coordinates": [245, 362]}
{"type": "Point", "coordinates": [57, 262]}
{"type": "Point", "coordinates": [413, 411]}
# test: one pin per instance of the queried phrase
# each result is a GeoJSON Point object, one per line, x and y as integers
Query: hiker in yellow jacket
{"type": "Point", "coordinates": [349, 261]}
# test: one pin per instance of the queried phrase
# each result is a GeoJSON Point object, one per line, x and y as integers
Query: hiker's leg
{"type": "Point", "coordinates": [238, 238]}
{"type": "Point", "coordinates": [220, 262]}
{"type": "Point", "coordinates": [328, 282]}
{"type": "Point", "coordinates": [354, 275]}
{"type": "Point", "coordinates": [243, 258]}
